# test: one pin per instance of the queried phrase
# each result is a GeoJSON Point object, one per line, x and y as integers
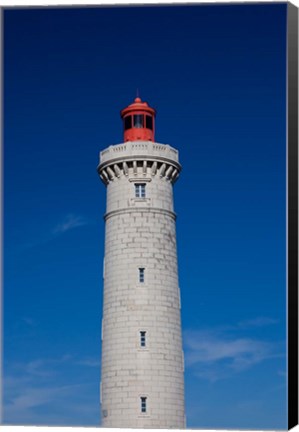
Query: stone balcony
{"type": "Point", "coordinates": [141, 149]}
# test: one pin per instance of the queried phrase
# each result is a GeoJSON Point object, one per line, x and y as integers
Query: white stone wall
{"type": "Point", "coordinates": [140, 233]}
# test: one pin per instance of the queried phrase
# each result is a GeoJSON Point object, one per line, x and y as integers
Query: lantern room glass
{"type": "Point", "coordinates": [149, 122]}
{"type": "Point", "coordinates": [128, 122]}
{"type": "Point", "coordinates": [138, 121]}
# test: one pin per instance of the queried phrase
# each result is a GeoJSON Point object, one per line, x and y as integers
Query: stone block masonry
{"type": "Point", "coordinates": [142, 377]}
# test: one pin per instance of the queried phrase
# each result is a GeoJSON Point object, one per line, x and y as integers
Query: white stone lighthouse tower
{"type": "Point", "coordinates": [142, 378]}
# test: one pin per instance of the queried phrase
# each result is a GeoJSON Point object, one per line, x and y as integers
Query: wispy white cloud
{"type": "Point", "coordinates": [23, 406]}
{"type": "Point", "coordinates": [206, 347]}
{"type": "Point", "coordinates": [31, 397]}
{"type": "Point", "coordinates": [35, 391]}
{"type": "Point", "coordinates": [258, 322]}
{"type": "Point", "coordinates": [29, 321]}
{"type": "Point", "coordinates": [89, 362]}
{"type": "Point", "coordinates": [44, 367]}
{"type": "Point", "coordinates": [282, 373]}
{"type": "Point", "coordinates": [220, 352]}
{"type": "Point", "coordinates": [38, 368]}
{"type": "Point", "coordinates": [70, 222]}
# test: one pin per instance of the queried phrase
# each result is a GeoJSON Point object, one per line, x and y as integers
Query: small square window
{"type": "Point", "coordinates": [143, 404]}
{"type": "Point", "coordinates": [140, 190]}
{"type": "Point", "coordinates": [143, 339]}
{"type": "Point", "coordinates": [141, 275]}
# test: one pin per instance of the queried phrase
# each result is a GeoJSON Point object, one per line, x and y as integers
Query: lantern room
{"type": "Point", "coordinates": [139, 121]}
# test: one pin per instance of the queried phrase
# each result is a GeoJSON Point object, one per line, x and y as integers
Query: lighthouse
{"type": "Point", "coordinates": [142, 368]}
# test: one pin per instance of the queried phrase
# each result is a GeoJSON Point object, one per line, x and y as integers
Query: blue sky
{"type": "Point", "coordinates": [216, 75]}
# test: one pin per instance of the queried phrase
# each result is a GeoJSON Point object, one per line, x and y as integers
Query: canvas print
{"type": "Point", "coordinates": [145, 168]}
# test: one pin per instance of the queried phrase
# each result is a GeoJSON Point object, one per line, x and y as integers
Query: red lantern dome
{"type": "Point", "coordinates": [139, 121]}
